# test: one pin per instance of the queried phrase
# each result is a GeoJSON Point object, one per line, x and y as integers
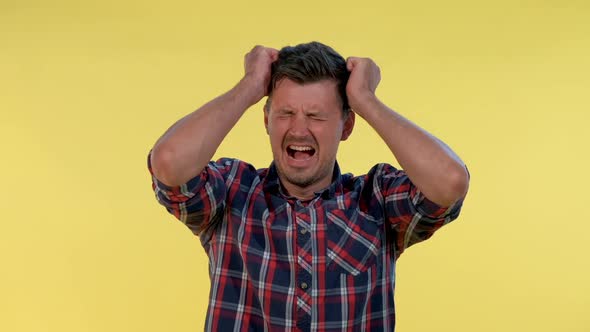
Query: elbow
{"type": "Point", "coordinates": [448, 190]}
{"type": "Point", "coordinates": [458, 186]}
{"type": "Point", "coordinates": [161, 160]}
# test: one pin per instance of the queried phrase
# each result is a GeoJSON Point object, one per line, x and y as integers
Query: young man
{"type": "Point", "coordinates": [299, 246]}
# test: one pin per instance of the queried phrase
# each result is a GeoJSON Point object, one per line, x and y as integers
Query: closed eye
{"type": "Point", "coordinates": [316, 117]}
{"type": "Point", "coordinates": [284, 114]}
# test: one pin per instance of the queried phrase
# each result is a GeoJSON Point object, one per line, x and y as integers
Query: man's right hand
{"type": "Point", "coordinates": [257, 68]}
{"type": "Point", "coordinates": [185, 148]}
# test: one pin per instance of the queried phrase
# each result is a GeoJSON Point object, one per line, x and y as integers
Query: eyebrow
{"type": "Point", "coordinates": [285, 110]}
{"type": "Point", "coordinates": [307, 112]}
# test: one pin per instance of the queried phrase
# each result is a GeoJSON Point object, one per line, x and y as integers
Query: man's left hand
{"type": "Point", "coordinates": [364, 78]}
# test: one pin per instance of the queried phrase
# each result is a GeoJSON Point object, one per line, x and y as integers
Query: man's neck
{"type": "Point", "coordinates": [305, 193]}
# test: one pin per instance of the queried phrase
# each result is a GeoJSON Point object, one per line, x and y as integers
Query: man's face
{"type": "Point", "coordinates": [305, 126]}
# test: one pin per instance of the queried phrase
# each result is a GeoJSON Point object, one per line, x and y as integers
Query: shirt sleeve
{"type": "Point", "coordinates": [410, 214]}
{"type": "Point", "coordinates": [200, 202]}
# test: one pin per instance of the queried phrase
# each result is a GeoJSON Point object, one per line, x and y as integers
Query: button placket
{"type": "Point", "coordinates": [303, 280]}
{"type": "Point", "coordinates": [302, 239]}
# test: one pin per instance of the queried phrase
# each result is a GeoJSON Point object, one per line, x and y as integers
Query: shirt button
{"type": "Point", "coordinates": [303, 230]}
{"type": "Point", "coordinates": [304, 285]}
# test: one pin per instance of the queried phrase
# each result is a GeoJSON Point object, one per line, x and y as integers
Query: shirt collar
{"type": "Point", "coordinates": [272, 183]}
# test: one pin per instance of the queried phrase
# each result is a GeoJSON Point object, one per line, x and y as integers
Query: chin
{"type": "Point", "coordinates": [301, 178]}
{"type": "Point", "coordinates": [302, 182]}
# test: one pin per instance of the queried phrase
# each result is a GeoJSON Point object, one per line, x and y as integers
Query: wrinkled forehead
{"type": "Point", "coordinates": [320, 95]}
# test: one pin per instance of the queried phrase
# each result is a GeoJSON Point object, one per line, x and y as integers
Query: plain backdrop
{"type": "Point", "coordinates": [86, 88]}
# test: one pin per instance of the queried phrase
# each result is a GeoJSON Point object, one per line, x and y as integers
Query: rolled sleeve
{"type": "Point", "coordinates": [413, 217]}
{"type": "Point", "coordinates": [199, 202]}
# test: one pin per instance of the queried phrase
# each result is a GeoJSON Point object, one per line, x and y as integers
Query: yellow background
{"type": "Point", "coordinates": [86, 88]}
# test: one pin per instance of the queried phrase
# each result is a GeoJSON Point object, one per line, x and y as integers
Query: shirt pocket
{"type": "Point", "coordinates": [353, 242]}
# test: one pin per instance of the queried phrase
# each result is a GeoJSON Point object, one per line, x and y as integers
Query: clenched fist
{"type": "Point", "coordinates": [257, 67]}
{"type": "Point", "coordinates": [364, 78]}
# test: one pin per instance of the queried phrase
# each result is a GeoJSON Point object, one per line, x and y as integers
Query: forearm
{"type": "Point", "coordinates": [186, 147]}
{"type": "Point", "coordinates": [430, 164]}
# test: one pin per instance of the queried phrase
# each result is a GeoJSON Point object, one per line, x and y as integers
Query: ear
{"type": "Point", "coordinates": [348, 125]}
{"type": "Point", "coordinates": [265, 110]}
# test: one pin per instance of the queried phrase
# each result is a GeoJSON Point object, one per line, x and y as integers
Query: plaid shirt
{"type": "Point", "coordinates": [280, 264]}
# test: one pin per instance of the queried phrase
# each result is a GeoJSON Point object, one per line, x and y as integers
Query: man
{"type": "Point", "coordinates": [299, 246]}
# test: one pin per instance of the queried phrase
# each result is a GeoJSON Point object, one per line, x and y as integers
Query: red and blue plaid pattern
{"type": "Point", "coordinates": [279, 264]}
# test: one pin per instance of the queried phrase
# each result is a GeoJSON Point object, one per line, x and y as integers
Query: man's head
{"type": "Point", "coordinates": [309, 63]}
{"type": "Point", "coordinates": [307, 115]}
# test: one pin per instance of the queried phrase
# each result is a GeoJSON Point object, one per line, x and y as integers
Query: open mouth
{"type": "Point", "coordinates": [300, 152]}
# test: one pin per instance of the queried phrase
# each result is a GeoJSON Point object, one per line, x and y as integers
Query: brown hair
{"type": "Point", "coordinates": [308, 63]}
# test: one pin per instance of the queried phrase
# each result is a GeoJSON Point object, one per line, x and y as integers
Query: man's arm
{"type": "Point", "coordinates": [430, 164]}
{"type": "Point", "coordinates": [185, 148]}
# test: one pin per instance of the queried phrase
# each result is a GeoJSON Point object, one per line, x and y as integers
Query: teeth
{"type": "Point", "coordinates": [300, 148]}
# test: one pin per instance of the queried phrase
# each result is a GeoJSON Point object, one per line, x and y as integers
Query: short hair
{"type": "Point", "coordinates": [309, 63]}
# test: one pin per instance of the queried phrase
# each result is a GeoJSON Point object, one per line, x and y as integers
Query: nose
{"type": "Point", "coordinates": [299, 125]}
